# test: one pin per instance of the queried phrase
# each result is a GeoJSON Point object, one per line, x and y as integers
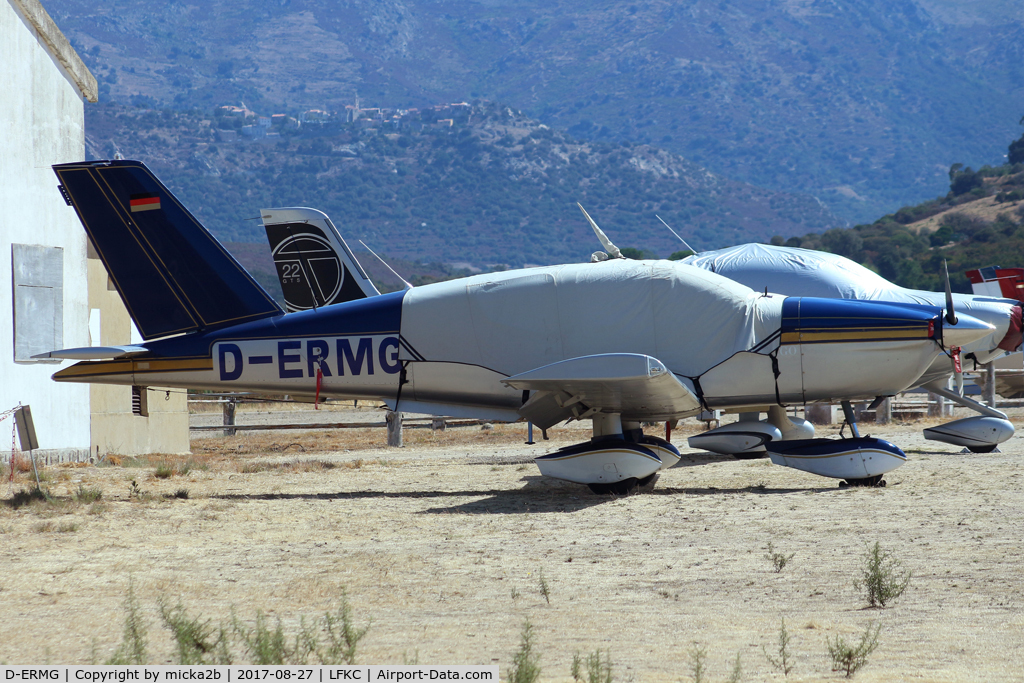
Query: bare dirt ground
{"type": "Point", "coordinates": [443, 544]}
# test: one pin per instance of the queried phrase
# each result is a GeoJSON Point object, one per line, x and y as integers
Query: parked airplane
{"type": "Point", "coordinates": [1006, 283]}
{"type": "Point", "coordinates": [802, 272]}
{"type": "Point", "coordinates": [616, 342]}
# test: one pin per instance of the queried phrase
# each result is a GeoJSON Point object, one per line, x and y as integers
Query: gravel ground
{"type": "Point", "coordinates": [445, 545]}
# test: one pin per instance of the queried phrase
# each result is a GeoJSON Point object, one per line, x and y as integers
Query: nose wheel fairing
{"type": "Point", "coordinates": [850, 459]}
{"type": "Point", "coordinates": [980, 433]}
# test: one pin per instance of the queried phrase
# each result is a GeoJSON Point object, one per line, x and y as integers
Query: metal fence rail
{"type": "Point", "coordinates": [406, 424]}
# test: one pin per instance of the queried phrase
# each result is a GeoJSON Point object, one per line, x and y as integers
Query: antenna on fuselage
{"type": "Point", "coordinates": [612, 250]}
{"type": "Point", "coordinates": [407, 285]}
{"type": "Point", "coordinates": [678, 237]}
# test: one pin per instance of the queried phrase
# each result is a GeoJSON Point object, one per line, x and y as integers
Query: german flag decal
{"type": "Point", "coordinates": [144, 202]}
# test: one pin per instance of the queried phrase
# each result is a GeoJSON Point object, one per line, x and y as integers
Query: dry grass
{"type": "Point", "coordinates": [304, 465]}
{"type": "Point", "coordinates": [341, 440]}
{"type": "Point", "coordinates": [331, 406]}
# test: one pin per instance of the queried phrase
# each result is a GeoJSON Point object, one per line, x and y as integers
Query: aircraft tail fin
{"type": "Point", "coordinates": [314, 264]}
{"type": "Point", "coordinates": [172, 274]}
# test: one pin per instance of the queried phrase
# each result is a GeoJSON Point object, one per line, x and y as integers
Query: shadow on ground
{"type": "Point", "coordinates": [537, 495]}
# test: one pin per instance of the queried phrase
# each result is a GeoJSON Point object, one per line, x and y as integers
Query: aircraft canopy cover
{"type": "Point", "coordinates": [514, 322]}
{"type": "Point", "coordinates": [803, 272]}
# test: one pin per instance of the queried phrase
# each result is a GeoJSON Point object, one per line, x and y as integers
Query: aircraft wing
{"type": "Point", "coordinates": [94, 353]}
{"type": "Point", "coordinates": [636, 386]}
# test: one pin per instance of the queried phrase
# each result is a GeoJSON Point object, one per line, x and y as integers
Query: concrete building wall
{"type": "Point", "coordinates": [115, 428]}
{"type": "Point", "coordinates": [52, 294]}
{"type": "Point", "coordinates": [42, 122]}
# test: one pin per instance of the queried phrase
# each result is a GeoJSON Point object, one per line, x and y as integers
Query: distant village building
{"type": "Point", "coordinates": [53, 288]}
{"type": "Point", "coordinates": [315, 116]}
{"type": "Point", "coordinates": [231, 110]}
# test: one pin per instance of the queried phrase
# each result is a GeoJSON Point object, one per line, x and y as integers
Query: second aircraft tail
{"type": "Point", "coordinates": [315, 266]}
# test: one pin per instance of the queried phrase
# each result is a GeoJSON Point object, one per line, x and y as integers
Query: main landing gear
{"type": "Point", "coordinates": [620, 459]}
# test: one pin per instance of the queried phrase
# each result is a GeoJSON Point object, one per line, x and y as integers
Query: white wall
{"type": "Point", "coordinates": [42, 122]}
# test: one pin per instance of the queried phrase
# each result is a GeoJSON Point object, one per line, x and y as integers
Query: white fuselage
{"type": "Point", "coordinates": [444, 348]}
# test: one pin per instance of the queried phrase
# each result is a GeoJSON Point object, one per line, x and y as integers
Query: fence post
{"type": "Point", "coordinates": [394, 429]}
{"type": "Point", "coordinates": [229, 416]}
{"type": "Point", "coordinates": [883, 413]}
{"type": "Point", "coordinates": [819, 413]}
{"type": "Point", "coordinates": [990, 385]}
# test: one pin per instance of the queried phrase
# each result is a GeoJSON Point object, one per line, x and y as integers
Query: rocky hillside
{"type": "Point", "coordinates": [480, 185]}
{"type": "Point", "coordinates": [978, 223]}
{"type": "Point", "coordinates": [863, 104]}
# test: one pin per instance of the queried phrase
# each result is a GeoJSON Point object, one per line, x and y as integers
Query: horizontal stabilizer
{"type": "Point", "coordinates": [638, 387]}
{"type": "Point", "coordinates": [172, 274]}
{"type": "Point", "coordinates": [94, 352]}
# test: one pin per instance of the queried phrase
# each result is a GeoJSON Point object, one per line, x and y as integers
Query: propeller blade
{"type": "Point", "coordinates": [950, 313]}
{"type": "Point", "coordinates": [612, 250]}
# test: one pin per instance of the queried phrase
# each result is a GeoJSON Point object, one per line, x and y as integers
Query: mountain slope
{"type": "Point", "coordinates": [979, 223]}
{"type": "Point", "coordinates": [493, 187]}
{"type": "Point", "coordinates": [861, 103]}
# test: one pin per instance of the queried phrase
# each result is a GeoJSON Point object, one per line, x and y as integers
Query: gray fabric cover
{"type": "Point", "coordinates": [802, 272]}
{"type": "Point", "coordinates": [688, 318]}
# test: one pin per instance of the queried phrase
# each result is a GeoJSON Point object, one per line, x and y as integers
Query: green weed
{"type": "Point", "coordinates": [698, 665]}
{"type": "Point", "coordinates": [882, 577]}
{"type": "Point", "coordinates": [525, 662]}
{"type": "Point", "coordinates": [342, 636]}
{"type": "Point", "coordinates": [132, 649]}
{"type": "Point", "coordinates": [849, 658]}
{"type": "Point", "coordinates": [264, 645]}
{"type": "Point", "coordinates": [778, 560]}
{"type": "Point", "coordinates": [736, 674]}
{"type": "Point", "coordinates": [544, 589]}
{"type": "Point", "coordinates": [597, 670]}
{"type": "Point", "coordinates": [196, 640]}
{"type": "Point", "coordinates": [784, 662]}
{"type": "Point", "coordinates": [86, 496]}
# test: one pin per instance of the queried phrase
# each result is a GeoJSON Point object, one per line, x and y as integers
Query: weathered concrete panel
{"type": "Point", "coordinates": [114, 428]}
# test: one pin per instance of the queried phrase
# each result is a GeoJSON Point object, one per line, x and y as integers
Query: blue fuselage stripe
{"type": "Point", "coordinates": [375, 315]}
